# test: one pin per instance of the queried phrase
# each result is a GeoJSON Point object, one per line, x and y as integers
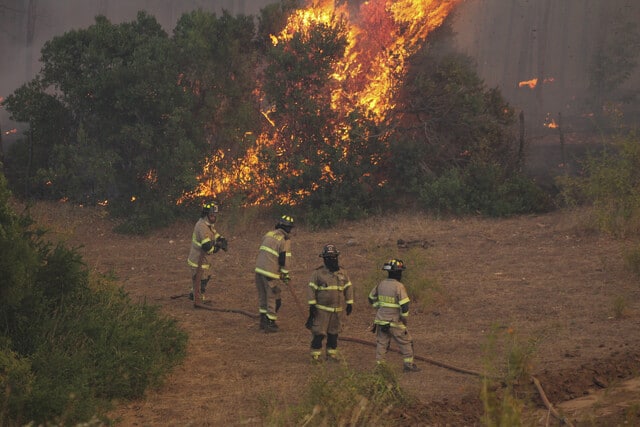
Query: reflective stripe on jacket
{"type": "Point", "coordinates": [267, 262]}
{"type": "Point", "coordinates": [203, 232]}
{"type": "Point", "coordinates": [388, 297]}
{"type": "Point", "coordinates": [329, 291]}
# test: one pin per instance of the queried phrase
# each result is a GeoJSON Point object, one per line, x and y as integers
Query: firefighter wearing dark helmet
{"type": "Point", "coordinates": [205, 240]}
{"type": "Point", "coordinates": [272, 266]}
{"type": "Point", "coordinates": [329, 291]}
{"type": "Point", "coordinates": [391, 299]}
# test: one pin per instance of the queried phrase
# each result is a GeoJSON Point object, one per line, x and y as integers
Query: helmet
{"type": "Point", "coordinates": [330, 251]}
{"type": "Point", "coordinates": [285, 222]}
{"type": "Point", "coordinates": [209, 208]}
{"type": "Point", "coordinates": [394, 265]}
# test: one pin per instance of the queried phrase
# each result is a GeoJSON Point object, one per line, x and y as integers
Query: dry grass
{"type": "Point", "coordinates": [538, 275]}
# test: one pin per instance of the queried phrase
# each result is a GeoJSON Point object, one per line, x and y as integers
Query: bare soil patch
{"type": "Point", "coordinates": [542, 278]}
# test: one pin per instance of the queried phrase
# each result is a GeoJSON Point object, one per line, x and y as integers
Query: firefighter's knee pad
{"type": "Point", "coordinates": [332, 340]}
{"type": "Point", "coordinates": [316, 342]}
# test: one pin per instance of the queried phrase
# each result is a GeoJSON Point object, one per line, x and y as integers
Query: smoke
{"type": "Point", "coordinates": [511, 41]}
{"type": "Point", "coordinates": [552, 41]}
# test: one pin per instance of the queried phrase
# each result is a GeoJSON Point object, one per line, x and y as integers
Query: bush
{"type": "Point", "coordinates": [611, 184]}
{"type": "Point", "coordinates": [70, 344]}
{"type": "Point", "coordinates": [485, 189]}
{"type": "Point", "coordinates": [345, 397]}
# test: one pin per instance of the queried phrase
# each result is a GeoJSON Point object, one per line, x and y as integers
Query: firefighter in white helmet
{"type": "Point", "coordinates": [391, 299]}
{"type": "Point", "coordinates": [205, 240]}
{"type": "Point", "coordinates": [329, 292]}
{"type": "Point", "coordinates": [272, 266]}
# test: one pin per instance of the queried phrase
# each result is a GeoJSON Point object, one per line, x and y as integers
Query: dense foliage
{"type": "Point", "coordinates": [69, 344]}
{"type": "Point", "coordinates": [130, 116]}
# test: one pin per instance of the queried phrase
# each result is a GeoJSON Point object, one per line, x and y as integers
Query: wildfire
{"type": "Point", "coordinates": [382, 36]}
{"type": "Point", "coordinates": [550, 123]}
{"type": "Point", "coordinates": [531, 84]}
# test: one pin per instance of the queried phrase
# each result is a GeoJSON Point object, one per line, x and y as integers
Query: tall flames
{"type": "Point", "coordinates": [382, 36]}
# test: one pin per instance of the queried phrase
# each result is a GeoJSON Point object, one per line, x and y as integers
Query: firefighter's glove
{"type": "Point", "coordinates": [309, 323]}
{"type": "Point", "coordinates": [278, 304]}
{"type": "Point", "coordinates": [221, 243]}
{"type": "Point", "coordinates": [312, 310]}
{"type": "Point", "coordinates": [285, 277]}
{"type": "Point", "coordinates": [349, 309]}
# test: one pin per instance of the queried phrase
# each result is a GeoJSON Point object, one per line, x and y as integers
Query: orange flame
{"type": "Point", "coordinates": [534, 82]}
{"type": "Point", "coordinates": [11, 132]}
{"type": "Point", "coordinates": [381, 38]}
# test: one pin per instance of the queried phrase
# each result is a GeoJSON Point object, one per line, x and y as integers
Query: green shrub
{"type": "Point", "coordinates": [483, 188]}
{"type": "Point", "coordinates": [69, 344]}
{"type": "Point", "coordinates": [507, 365]}
{"type": "Point", "coordinates": [16, 382]}
{"type": "Point", "coordinates": [343, 396]}
{"type": "Point", "coordinates": [611, 184]}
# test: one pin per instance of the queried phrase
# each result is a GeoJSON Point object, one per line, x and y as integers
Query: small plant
{"type": "Point", "coordinates": [610, 184]}
{"type": "Point", "coordinates": [344, 397]}
{"type": "Point", "coordinates": [619, 307]}
{"type": "Point", "coordinates": [632, 260]}
{"type": "Point", "coordinates": [507, 365]}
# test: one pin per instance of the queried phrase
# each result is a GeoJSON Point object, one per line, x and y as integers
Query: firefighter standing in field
{"type": "Point", "coordinates": [272, 266]}
{"type": "Point", "coordinates": [391, 299]}
{"type": "Point", "coordinates": [329, 291]}
{"type": "Point", "coordinates": [205, 241]}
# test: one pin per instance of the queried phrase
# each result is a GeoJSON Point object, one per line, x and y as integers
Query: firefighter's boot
{"type": "Point", "coordinates": [263, 320]}
{"type": "Point", "coordinates": [271, 326]}
{"type": "Point", "coordinates": [410, 367]}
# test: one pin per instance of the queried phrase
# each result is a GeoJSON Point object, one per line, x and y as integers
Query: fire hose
{"type": "Point", "coordinates": [431, 361]}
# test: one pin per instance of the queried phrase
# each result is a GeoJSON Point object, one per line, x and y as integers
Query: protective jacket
{"type": "Point", "coordinates": [389, 297]}
{"type": "Point", "coordinates": [329, 291]}
{"type": "Point", "coordinates": [203, 240]}
{"type": "Point", "coordinates": [274, 256]}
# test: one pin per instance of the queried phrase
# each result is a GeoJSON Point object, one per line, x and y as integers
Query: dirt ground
{"type": "Point", "coordinates": [542, 281]}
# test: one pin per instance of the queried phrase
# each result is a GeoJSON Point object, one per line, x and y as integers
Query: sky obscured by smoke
{"type": "Point", "coordinates": [512, 41]}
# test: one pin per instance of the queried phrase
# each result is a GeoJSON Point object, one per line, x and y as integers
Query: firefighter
{"type": "Point", "coordinates": [272, 267]}
{"type": "Point", "coordinates": [391, 299]}
{"type": "Point", "coordinates": [205, 240]}
{"type": "Point", "coordinates": [328, 293]}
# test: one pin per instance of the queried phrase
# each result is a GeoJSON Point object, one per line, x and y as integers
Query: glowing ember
{"type": "Point", "coordinates": [11, 132]}
{"type": "Point", "coordinates": [381, 37]}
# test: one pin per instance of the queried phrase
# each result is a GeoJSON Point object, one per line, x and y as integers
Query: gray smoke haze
{"type": "Point", "coordinates": [511, 40]}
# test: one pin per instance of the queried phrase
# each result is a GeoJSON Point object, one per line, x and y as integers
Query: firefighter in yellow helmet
{"type": "Point", "coordinates": [391, 299]}
{"type": "Point", "coordinates": [272, 266]}
{"type": "Point", "coordinates": [329, 291]}
{"type": "Point", "coordinates": [205, 241]}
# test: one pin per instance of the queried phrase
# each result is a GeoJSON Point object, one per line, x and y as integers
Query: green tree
{"type": "Point", "coordinates": [453, 143]}
{"type": "Point", "coordinates": [218, 61]}
{"type": "Point", "coordinates": [132, 136]}
{"type": "Point", "coordinates": [320, 159]}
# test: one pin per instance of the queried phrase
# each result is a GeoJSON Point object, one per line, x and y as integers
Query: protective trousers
{"type": "Point", "coordinates": [327, 324]}
{"type": "Point", "coordinates": [402, 338]}
{"type": "Point", "coordinates": [268, 293]}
